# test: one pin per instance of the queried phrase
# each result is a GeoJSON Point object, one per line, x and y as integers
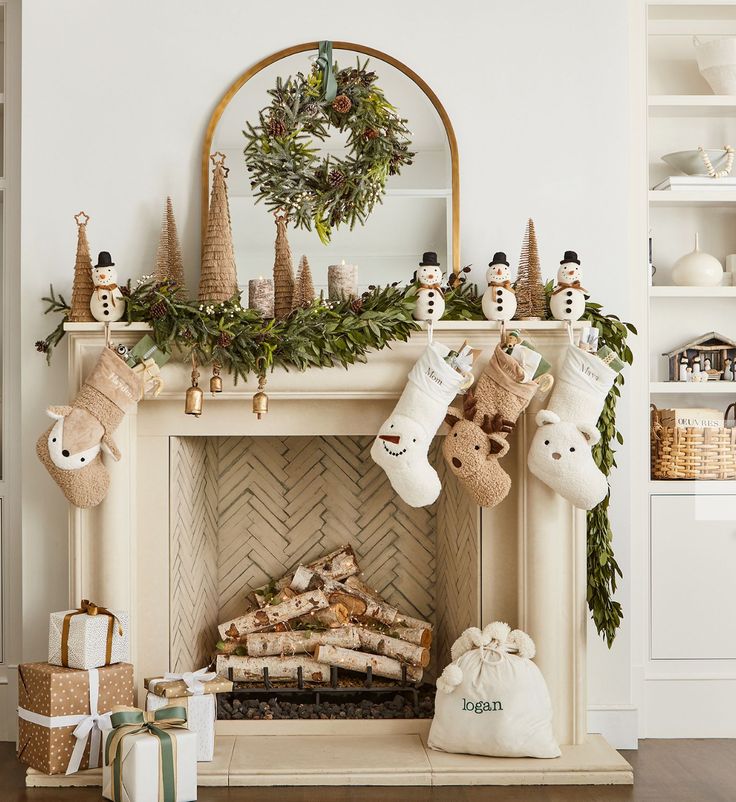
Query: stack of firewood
{"type": "Point", "coordinates": [320, 615]}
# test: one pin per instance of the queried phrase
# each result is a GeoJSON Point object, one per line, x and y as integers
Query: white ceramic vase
{"type": "Point", "coordinates": [697, 269]}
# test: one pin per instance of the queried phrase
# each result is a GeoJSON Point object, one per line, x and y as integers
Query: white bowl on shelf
{"type": "Point", "coordinates": [717, 63]}
{"type": "Point", "coordinates": [691, 162]}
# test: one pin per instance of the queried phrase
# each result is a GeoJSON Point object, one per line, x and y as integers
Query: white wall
{"type": "Point", "coordinates": [115, 100]}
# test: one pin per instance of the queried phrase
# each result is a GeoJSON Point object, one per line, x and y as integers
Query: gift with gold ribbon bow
{"type": "Point", "coordinates": [161, 736]}
{"type": "Point", "coordinates": [88, 637]}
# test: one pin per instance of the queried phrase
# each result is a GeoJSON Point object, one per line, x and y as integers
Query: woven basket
{"type": "Point", "coordinates": [693, 453]}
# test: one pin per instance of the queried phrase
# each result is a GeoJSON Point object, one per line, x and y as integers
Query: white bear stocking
{"type": "Point", "coordinates": [403, 441]}
{"type": "Point", "coordinates": [560, 453]}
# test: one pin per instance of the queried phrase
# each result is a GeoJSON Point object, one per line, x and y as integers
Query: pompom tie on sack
{"type": "Point", "coordinates": [523, 644]}
{"type": "Point", "coordinates": [498, 631]}
{"type": "Point", "coordinates": [470, 639]}
{"type": "Point", "coordinates": [450, 678]}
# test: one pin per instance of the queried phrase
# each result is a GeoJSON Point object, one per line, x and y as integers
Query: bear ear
{"type": "Point", "coordinates": [57, 413]}
{"type": "Point", "coordinates": [544, 417]}
{"type": "Point", "coordinates": [590, 433]}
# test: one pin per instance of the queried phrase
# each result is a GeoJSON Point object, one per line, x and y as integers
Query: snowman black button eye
{"type": "Point", "coordinates": [81, 459]}
{"type": "Point", "coordinates": [53, 439]}
{"type": "Point", "coordinates": [391, 426]}
{"type": "Point", "coordinates": [572, 449]}
{"type": "Point", "coordinates": [414, 439]}
{"type": "Point", "coordinates": [546, 442]}
{"type": "Point", "coordinates": [477, 448]}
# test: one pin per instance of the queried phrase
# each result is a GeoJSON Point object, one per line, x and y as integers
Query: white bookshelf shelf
{"type": "Point", "coordinates": [691, 487]}
{"type": "Point", "coordinates": [692, 105]}
{"type": "Point", "coordinates": [692, 292]}
{"type": "Point", "coordinates": [692, 388]}
{"type": "Point", "coordinates": [692, 197]}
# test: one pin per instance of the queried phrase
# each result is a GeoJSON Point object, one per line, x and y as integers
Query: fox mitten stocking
{"type": "Point", "coordinates": [403, 442]}
{"type": "Point", "coordinates": [71, 448]}
{"type": "Point", "coordinates": [477, 437]}
{"type": "Point", "coordinates": [560, 453]}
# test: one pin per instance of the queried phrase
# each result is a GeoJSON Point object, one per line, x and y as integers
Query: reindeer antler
{"type": "Point", "coordinates": [469, 405]}
{"type": "Point", "coordinates": [496, 424]}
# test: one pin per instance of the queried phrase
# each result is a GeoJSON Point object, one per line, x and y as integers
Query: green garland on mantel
{"type": "Point", "coordinates": [327, 334]}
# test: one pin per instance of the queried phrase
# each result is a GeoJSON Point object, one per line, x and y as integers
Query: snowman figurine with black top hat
{"type": "Point", "coordinates": [107, 303]}
{"type": "Point", "coordinates": [568, 296]}
{"type": "Point", "coordinates": [499, 300]}
{"type": "Point", "coordinates": [430, 304]}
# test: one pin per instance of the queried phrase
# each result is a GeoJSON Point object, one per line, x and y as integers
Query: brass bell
{"type": "Point", "coordinates": [216, 380]}
{"type": "Point", "coordinates": [195, 396]}
{"type": "Point", "coordinates": [260, 399]}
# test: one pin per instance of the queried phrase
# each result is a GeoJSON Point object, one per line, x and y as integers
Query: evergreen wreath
{"type": "Point", "coordinates": [289, 174]}
{"type": "Point", "coordinates": [328, 333]}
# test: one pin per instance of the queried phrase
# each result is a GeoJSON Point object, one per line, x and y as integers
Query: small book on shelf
{"type": "Point", "coordinates": [675, 182]}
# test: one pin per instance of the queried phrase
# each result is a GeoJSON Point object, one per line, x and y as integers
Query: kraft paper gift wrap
{"type": "Point", "coordinates": [149, 770]}
{"type": "Point", "coordinates": [53, 702]}
{"type": "Point", "coordinates": [92, 640]}
{"type": "Point", "coordinates": [201, 717]}
{"type": "Point", "coordinates": [190, 683]}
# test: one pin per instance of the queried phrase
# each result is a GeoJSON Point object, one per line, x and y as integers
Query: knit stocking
{"type": "Point", "coordinates": [477, 438]}
{"type": "Point", "coordinates": [403, 442]}
{"type": "Point", "coordinates": [560, 453]}
{"type": "Point", "coordinates": [71, 448]}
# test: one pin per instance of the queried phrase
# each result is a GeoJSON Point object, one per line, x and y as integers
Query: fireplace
{"type": "Point", "coordinates": [199, 509]}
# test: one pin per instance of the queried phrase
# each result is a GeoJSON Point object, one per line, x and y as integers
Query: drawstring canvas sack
{"type": "Point", "coordinates": [492, 699]}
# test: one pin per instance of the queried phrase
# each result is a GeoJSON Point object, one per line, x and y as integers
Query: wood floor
{"type": "Point", "coordinates": [664, 771]}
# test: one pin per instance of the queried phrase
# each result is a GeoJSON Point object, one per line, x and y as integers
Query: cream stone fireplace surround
{"type": "Point", "coordinates": [523, 562]}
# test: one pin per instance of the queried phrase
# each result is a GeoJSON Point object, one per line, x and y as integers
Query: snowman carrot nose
{"type": "Point", "coordinates": [390, 438]}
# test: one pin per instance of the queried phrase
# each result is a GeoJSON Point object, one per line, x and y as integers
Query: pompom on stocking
{"type": "Point", "coordinates": [560, 454]}
{"type": "Point", "coordinates": [402, 444]}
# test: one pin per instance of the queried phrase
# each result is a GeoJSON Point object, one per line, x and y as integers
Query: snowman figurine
{"type": "Point", "coordinates": [568, 296]}
{"type": "Point", "coordinates": [430, 304]}
{"type": "Point", "coordinates": [499, 300]}
{"type": "Point", "coordinates": [107, 303]}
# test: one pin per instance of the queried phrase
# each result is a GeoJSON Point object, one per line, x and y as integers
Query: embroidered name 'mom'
{"type": "Point", "coordinates": [434, 377]}
{"type": "Point", "coordinates": [481, 706]}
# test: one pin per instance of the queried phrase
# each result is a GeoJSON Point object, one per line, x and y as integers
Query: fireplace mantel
{"type": "Point", "coordinates": [119, 551]}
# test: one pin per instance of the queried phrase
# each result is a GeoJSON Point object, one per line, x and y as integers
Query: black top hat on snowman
{"type": "Point", "coordinates": [499, 258]}
{"type": "Point", "coordinates": [429, 259]}
{"type": "Point", "coordinates": [104, 260]}
{"type": "Point", "coordinates": [570, 256]}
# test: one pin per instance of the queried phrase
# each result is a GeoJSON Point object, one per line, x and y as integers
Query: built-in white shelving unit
{"type": "Point", "coordinates": [690, 525]}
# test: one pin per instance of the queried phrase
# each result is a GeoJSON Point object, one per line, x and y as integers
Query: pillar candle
{"type": "Point", "coordinates": [342, 281]}
{"type": "Point", "coordinates": [260, 295]}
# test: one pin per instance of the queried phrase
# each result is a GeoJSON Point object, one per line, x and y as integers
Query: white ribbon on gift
{"type": "Point", "coordinates": [192, 679]}
{"type": "Point", "coordinates": [87, 726]}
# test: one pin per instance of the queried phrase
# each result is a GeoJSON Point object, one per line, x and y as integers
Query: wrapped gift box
{"type": "Point", "coordinates": [144, 766]}
{"type": "Point", "coordinates": [53, 701]}
{"type": "Point", "coordinates": [175, 688]}
{"type": "Point", "coordinates": [201, 717]}
{"type": "Point", "coordinates": [90, 641]}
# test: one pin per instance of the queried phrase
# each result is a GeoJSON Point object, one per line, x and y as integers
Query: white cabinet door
{"type": "Point", "coordinates": [693, 577]}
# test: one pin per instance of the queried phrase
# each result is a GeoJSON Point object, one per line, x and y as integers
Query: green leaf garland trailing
{"type": "Point", "coordinates": [342, 333]}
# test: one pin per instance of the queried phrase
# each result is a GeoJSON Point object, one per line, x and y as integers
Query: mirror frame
{"type": "Point", "coordinates": [242, 79]}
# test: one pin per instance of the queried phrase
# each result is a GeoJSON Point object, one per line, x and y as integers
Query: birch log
{"type": "Point", "coordinates": [393, 647]}
{"type": "Point", "coordinates": [412, 623]}
{"type": "Point", "coordinates": [375, 607]}
{"type": "Point", "coordinates": [301, 579]}
{"type": "Point", "coordinates": [336, 615]}
{"type": "Point", "coordinates": [357, 584]}
{"type": "Point", "coordinates": [250, 669]}
{"type": "Point", "coordinates": [274, 614]}
{"type": "Point", "coordinates": [304, 641]}
{"type": "Point", "coordinates": [339, 564]}
{"type": "Point", "coordinates": [359, 661]}
{"type": "Point", "coordinates": [420, 636]}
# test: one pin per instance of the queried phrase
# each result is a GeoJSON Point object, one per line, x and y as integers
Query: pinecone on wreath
{"type": "Point", "coordinates": [224, 339]}
{"type": "Point", "coordinates": [276, 127]}
{"type": "Point", "coordinates": [336, 178]}
{"type": "Point", "coordinates": [370, 133]}
{"type": "Point", "coordinates": [157, 310]}
{"type": "Point", "coordinates": [356, 306]}
{"type": "Point", "coordinates": [342, 104]}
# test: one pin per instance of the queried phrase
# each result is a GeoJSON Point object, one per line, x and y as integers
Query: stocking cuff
{"type": "Point", "coordinates": [100, 407]}
{"type": "Point", "coordinates": [507, 373]}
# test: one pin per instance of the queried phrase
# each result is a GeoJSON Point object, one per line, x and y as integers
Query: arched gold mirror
{"type": "Point", "coordinates": [421, 206]}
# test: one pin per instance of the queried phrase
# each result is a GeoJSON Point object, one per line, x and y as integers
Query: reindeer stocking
{"type": "Point", "coordinates": [560, 452]}
{"type": "Point", "coordinates": [477, 438]}
{"type": "Point", "coordinates": [403, 442]}
{"type": "Point", "coordinates": [71, 448]}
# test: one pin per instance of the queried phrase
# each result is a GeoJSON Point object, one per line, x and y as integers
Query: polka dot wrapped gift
{"type": "Point", "coordinates": [60, 711]}
{"type": "Point", "coordinates": [88, 637]}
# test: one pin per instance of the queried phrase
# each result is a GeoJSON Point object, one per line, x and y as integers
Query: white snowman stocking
{"type": "Point", "coordinates": [560, 453]}
{"type": "Point", "coordinates": [403, 441]}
